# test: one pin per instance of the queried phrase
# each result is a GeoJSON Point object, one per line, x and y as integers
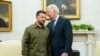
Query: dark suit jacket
{"type": "Point", "coordinates": [61, 37]}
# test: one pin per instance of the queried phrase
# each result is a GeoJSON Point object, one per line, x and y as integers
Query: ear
{"type": "Point", "coordinates": [55, 11]}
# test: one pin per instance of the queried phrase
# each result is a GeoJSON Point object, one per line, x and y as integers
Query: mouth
{"type": "Point", "coordinates": [43, 21]}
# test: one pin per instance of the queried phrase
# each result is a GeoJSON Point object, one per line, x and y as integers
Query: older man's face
{"type": "Point", "coordinates": [51, 13]}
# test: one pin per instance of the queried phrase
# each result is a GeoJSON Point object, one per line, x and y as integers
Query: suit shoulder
{"type": "Point", "coordinates": [48, 23]}
{"type": "Point", "coordinates": [64, 19]}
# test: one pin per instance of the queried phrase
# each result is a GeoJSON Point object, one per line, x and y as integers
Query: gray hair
{"type": "Point", "coordinates": [54, 7]}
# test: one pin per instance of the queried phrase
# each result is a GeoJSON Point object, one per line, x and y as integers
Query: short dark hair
{"type": "Point", "coordinates": [40, 11]}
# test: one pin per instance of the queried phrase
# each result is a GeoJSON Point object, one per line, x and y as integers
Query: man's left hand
{"type": "Point", "coordinates": [64, 54]}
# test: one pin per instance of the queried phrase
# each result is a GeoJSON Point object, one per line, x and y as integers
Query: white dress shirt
{"type": "Point", "coordinates": [56, 19]}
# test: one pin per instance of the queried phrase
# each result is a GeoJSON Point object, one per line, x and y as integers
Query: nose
{"type": "Point", "coordinates": [44, 19]}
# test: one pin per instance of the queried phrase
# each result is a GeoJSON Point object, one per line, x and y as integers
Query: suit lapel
{"type": "Point", "coordinates": [57, 24]}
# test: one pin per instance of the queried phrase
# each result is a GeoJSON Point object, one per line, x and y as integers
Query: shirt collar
{"type": "Point", "coordinates": [57, 18]}
{"type": "Point", "coordinates": [36, 26]}
{"type": "Point", "coordinates": [39, 27]}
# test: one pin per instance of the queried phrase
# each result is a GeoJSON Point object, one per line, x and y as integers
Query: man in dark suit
{"type": "Point", "coordinates": [60, 32]}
